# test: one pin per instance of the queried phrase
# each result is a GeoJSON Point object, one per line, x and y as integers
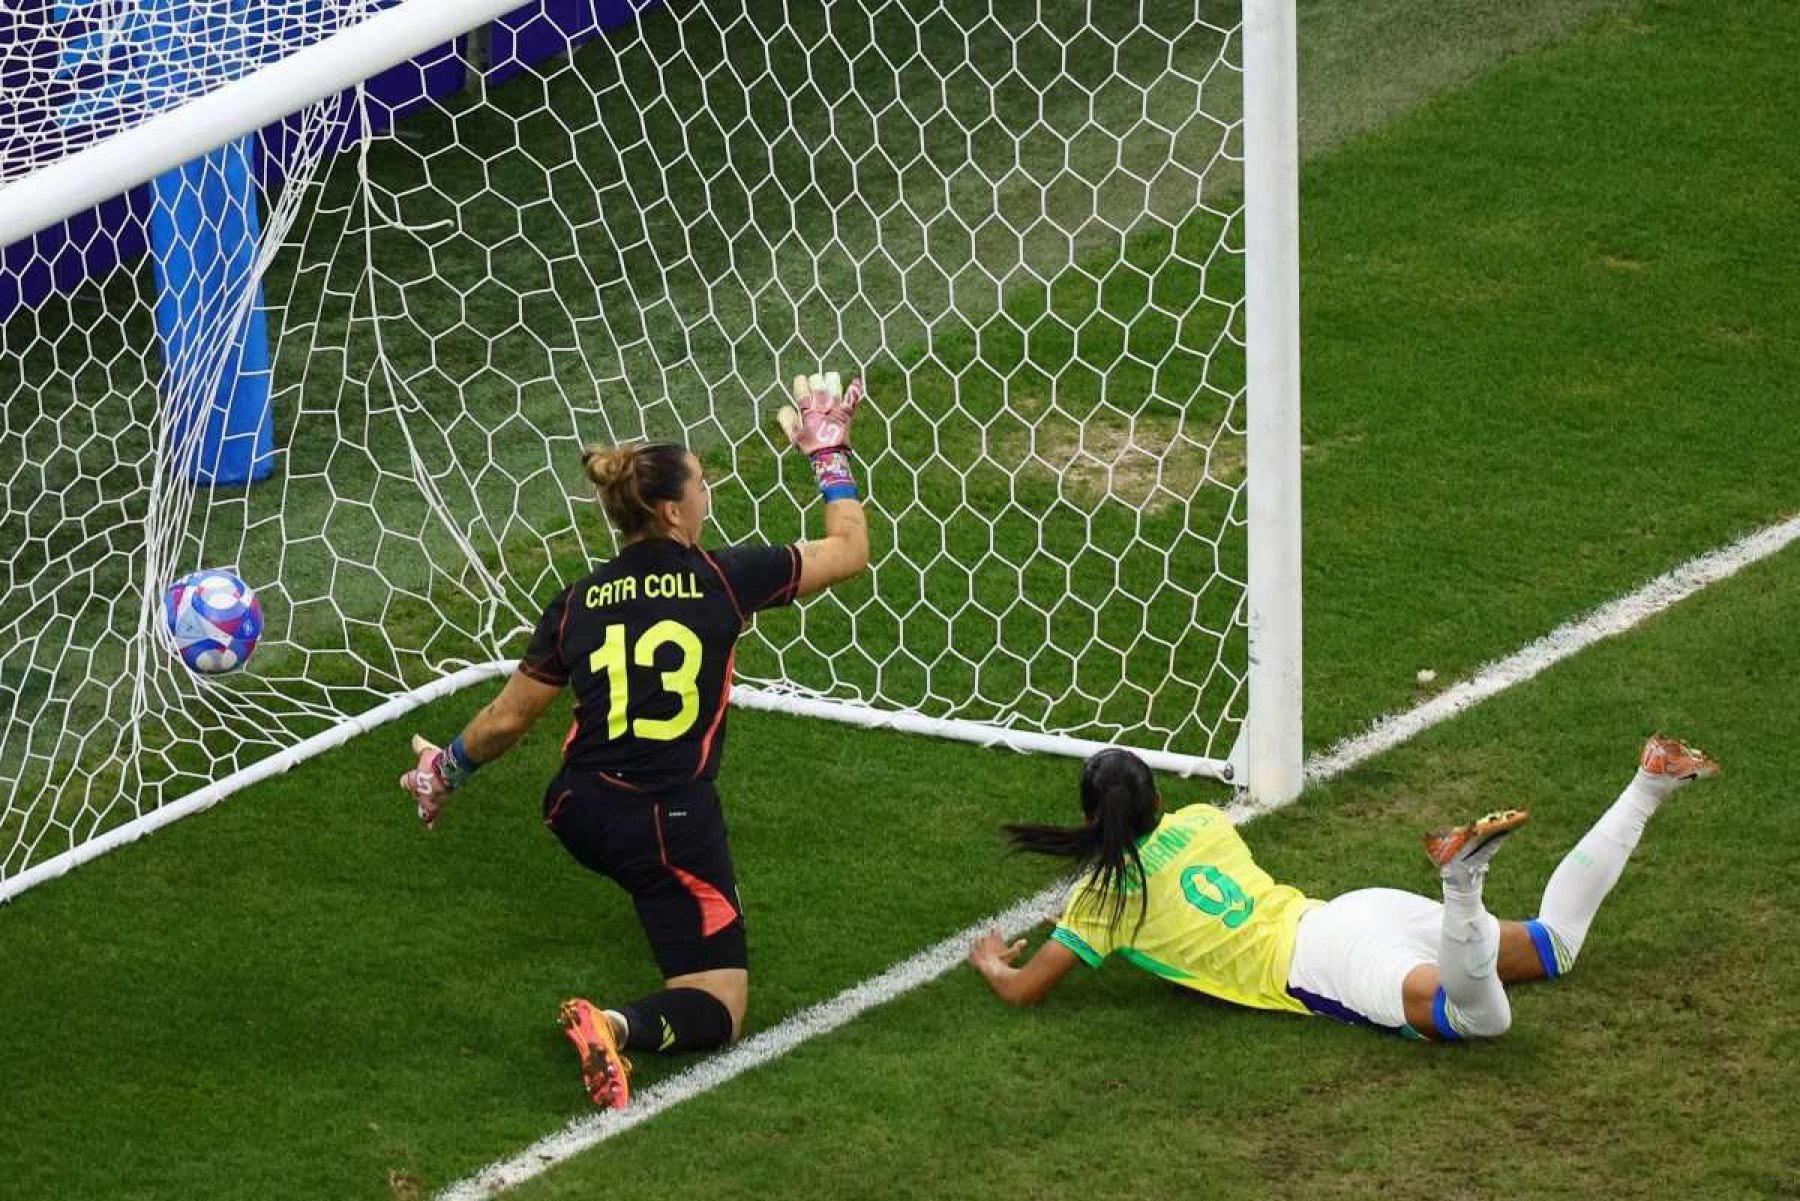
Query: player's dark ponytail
{"type": "Point", "coordinates": [632, 478]}
{"type": "Point", "coordinates": [1118, 799]}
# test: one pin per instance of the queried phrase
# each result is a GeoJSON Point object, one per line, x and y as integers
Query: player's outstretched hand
{"type": "Point", "coordinates": [819, 419]}
{"type": "Point", "coordinates": [992, 952]}
{"type": "Point", "coordinates": [425, 782]}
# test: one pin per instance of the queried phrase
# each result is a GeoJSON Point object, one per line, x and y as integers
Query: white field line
{"type": "Point", "coordinates": [937, 960]}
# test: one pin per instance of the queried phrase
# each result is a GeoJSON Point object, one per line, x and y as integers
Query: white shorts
{"type": "Point", "coordinates": [1352, 954]}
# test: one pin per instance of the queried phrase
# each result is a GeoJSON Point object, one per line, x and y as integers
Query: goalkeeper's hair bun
{"type": "Point", "coordinates": [632, 478]}
{"type": "Point", "coordinates": [608, 466]}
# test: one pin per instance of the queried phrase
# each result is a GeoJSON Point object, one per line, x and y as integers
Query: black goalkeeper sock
{"type": "Point", "coordinates": [675, 1021]}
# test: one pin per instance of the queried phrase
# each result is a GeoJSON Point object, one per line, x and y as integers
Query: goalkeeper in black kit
{"type": "Point", "coordinates": [646, 640]}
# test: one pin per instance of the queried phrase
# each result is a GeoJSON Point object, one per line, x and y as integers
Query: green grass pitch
{"type": "Point", "coordinates": [1550, 347]}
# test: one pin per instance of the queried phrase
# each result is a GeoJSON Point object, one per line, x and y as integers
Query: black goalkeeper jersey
{"type": "Point", "coordinates": [646, 640]}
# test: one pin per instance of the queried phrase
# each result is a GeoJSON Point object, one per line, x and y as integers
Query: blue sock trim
{"type": "Point", "coordinates": [1440, 1017]}
{"type": "Point", "coordinates": [839, 492]}
{"type": "Point", "coordinates": [1545, 947]}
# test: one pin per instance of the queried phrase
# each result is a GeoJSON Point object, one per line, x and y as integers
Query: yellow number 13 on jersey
{"type": "Point", "coordinates": [610, 659]}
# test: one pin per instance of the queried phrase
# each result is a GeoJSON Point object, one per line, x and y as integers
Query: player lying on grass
{"type": "Point", "coordinates": [646, 642]}
{"type": "Point", "coordinates": [1178, 894]}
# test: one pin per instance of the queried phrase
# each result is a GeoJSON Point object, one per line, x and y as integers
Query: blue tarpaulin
{"type": "Point", "coordinates": [204, 230]}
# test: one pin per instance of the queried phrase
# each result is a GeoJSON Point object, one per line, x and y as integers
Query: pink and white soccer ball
{"type": "Point", "coordinates": [215, 620]}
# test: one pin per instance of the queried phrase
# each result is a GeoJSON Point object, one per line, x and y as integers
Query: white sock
{"type": "Point", "coordinates": [1584, 877]}
{"type": "Point", "coordinates": [1475, 1003]}
{"type": "Point", "coordinates": [621, 1027]}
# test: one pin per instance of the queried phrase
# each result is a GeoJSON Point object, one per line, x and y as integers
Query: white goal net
{"type": "Point", "coordinates": [1021, 222]}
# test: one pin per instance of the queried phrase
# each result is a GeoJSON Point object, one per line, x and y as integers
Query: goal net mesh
{"type": "Point", "coordinates": [1020, 222]}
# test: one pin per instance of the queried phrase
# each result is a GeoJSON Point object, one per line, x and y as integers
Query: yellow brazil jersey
{"type": "Point", "coordinates": [1216, 922]}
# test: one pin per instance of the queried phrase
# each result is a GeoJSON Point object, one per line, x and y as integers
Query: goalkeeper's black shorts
{"type": "Point", "coordinates": [669, 851]}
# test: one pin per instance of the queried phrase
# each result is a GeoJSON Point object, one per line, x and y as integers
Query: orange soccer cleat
{"type": "Point", "coordinates": [605, 1073]}
{"type": "Point", "coordinates": [1673, 759]}
{"type": "Point", "coordinates": [1471, 846]}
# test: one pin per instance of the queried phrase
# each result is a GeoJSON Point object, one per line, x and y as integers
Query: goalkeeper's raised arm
{"type": "Point", "coordinates": [645, 640]}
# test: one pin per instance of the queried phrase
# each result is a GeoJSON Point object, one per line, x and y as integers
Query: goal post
{"type": "Point", "coordinates": [1273, 736]}
{"type": "Point", "coordinates": [1060, 241]}
{"type": "Point", "coordinates": [165, 140]}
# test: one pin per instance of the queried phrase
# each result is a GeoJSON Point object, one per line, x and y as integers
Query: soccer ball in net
{"type": "Point", "coordinates": [215, 620]}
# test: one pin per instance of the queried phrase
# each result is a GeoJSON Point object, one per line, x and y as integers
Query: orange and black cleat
{"type": "Point", "coordinates": [605, 1073]}
{"type": "Point", "coordinates": [1471, 846]}
{"type": "Point", "coordinates": [1673, 759]}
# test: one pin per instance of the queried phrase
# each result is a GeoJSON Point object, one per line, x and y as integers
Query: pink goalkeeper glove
{"type": "Point", "coordinates": [820, 427]}
{"type": "Point", "coordinates": [427, 782]}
